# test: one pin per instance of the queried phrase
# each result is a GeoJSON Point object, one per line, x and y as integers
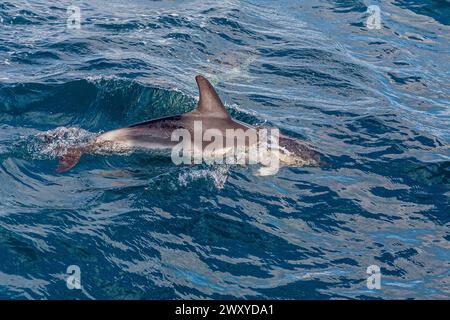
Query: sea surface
{"type": "Point", "coordinates": [373, 99]}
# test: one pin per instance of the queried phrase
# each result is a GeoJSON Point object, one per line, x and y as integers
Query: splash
{"type": "Point", "coordinates": [218, 175]}
{"type": "Point", "coordinates": [56, 142]}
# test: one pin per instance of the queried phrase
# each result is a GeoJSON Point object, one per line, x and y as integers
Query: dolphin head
{"type": "Point", "coordinates": [296, 152]}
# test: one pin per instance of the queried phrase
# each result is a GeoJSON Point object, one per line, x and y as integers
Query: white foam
{"type": "Point", "coordinates": [218, 175]}
{"type": "Point", "coordinates": [56, 142]}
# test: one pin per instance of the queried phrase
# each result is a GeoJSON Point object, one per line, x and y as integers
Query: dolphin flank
{"type": "Point", "coordinates": [156, 134]}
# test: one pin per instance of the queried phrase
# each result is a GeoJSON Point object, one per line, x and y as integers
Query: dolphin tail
{"type": "Point", "coordinates": [69, 159]}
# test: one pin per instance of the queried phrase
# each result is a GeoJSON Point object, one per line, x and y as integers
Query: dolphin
{"type": "Point", "coordinates": [157, 134]}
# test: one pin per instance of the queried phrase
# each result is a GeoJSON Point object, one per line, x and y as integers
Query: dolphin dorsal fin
{"type": "Point", "coordinates": [209, 102]}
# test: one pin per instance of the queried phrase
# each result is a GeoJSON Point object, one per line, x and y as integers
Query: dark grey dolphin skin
{"type": "Point", "coordinates": [156, 134]}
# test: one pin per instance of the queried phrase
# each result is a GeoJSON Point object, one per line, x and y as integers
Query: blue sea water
{"type": "Point", "coordinates": [374, 102]}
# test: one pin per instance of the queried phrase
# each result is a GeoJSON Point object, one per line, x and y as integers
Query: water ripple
{"type": "Point", "coordinates": [374, 102]}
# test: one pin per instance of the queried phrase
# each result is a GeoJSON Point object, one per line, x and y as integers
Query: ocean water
{"type": "Point", "coordinates": [375, 102]}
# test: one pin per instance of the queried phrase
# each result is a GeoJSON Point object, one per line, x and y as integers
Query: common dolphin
{"type": "Point", "coordinates": [157, 134]}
